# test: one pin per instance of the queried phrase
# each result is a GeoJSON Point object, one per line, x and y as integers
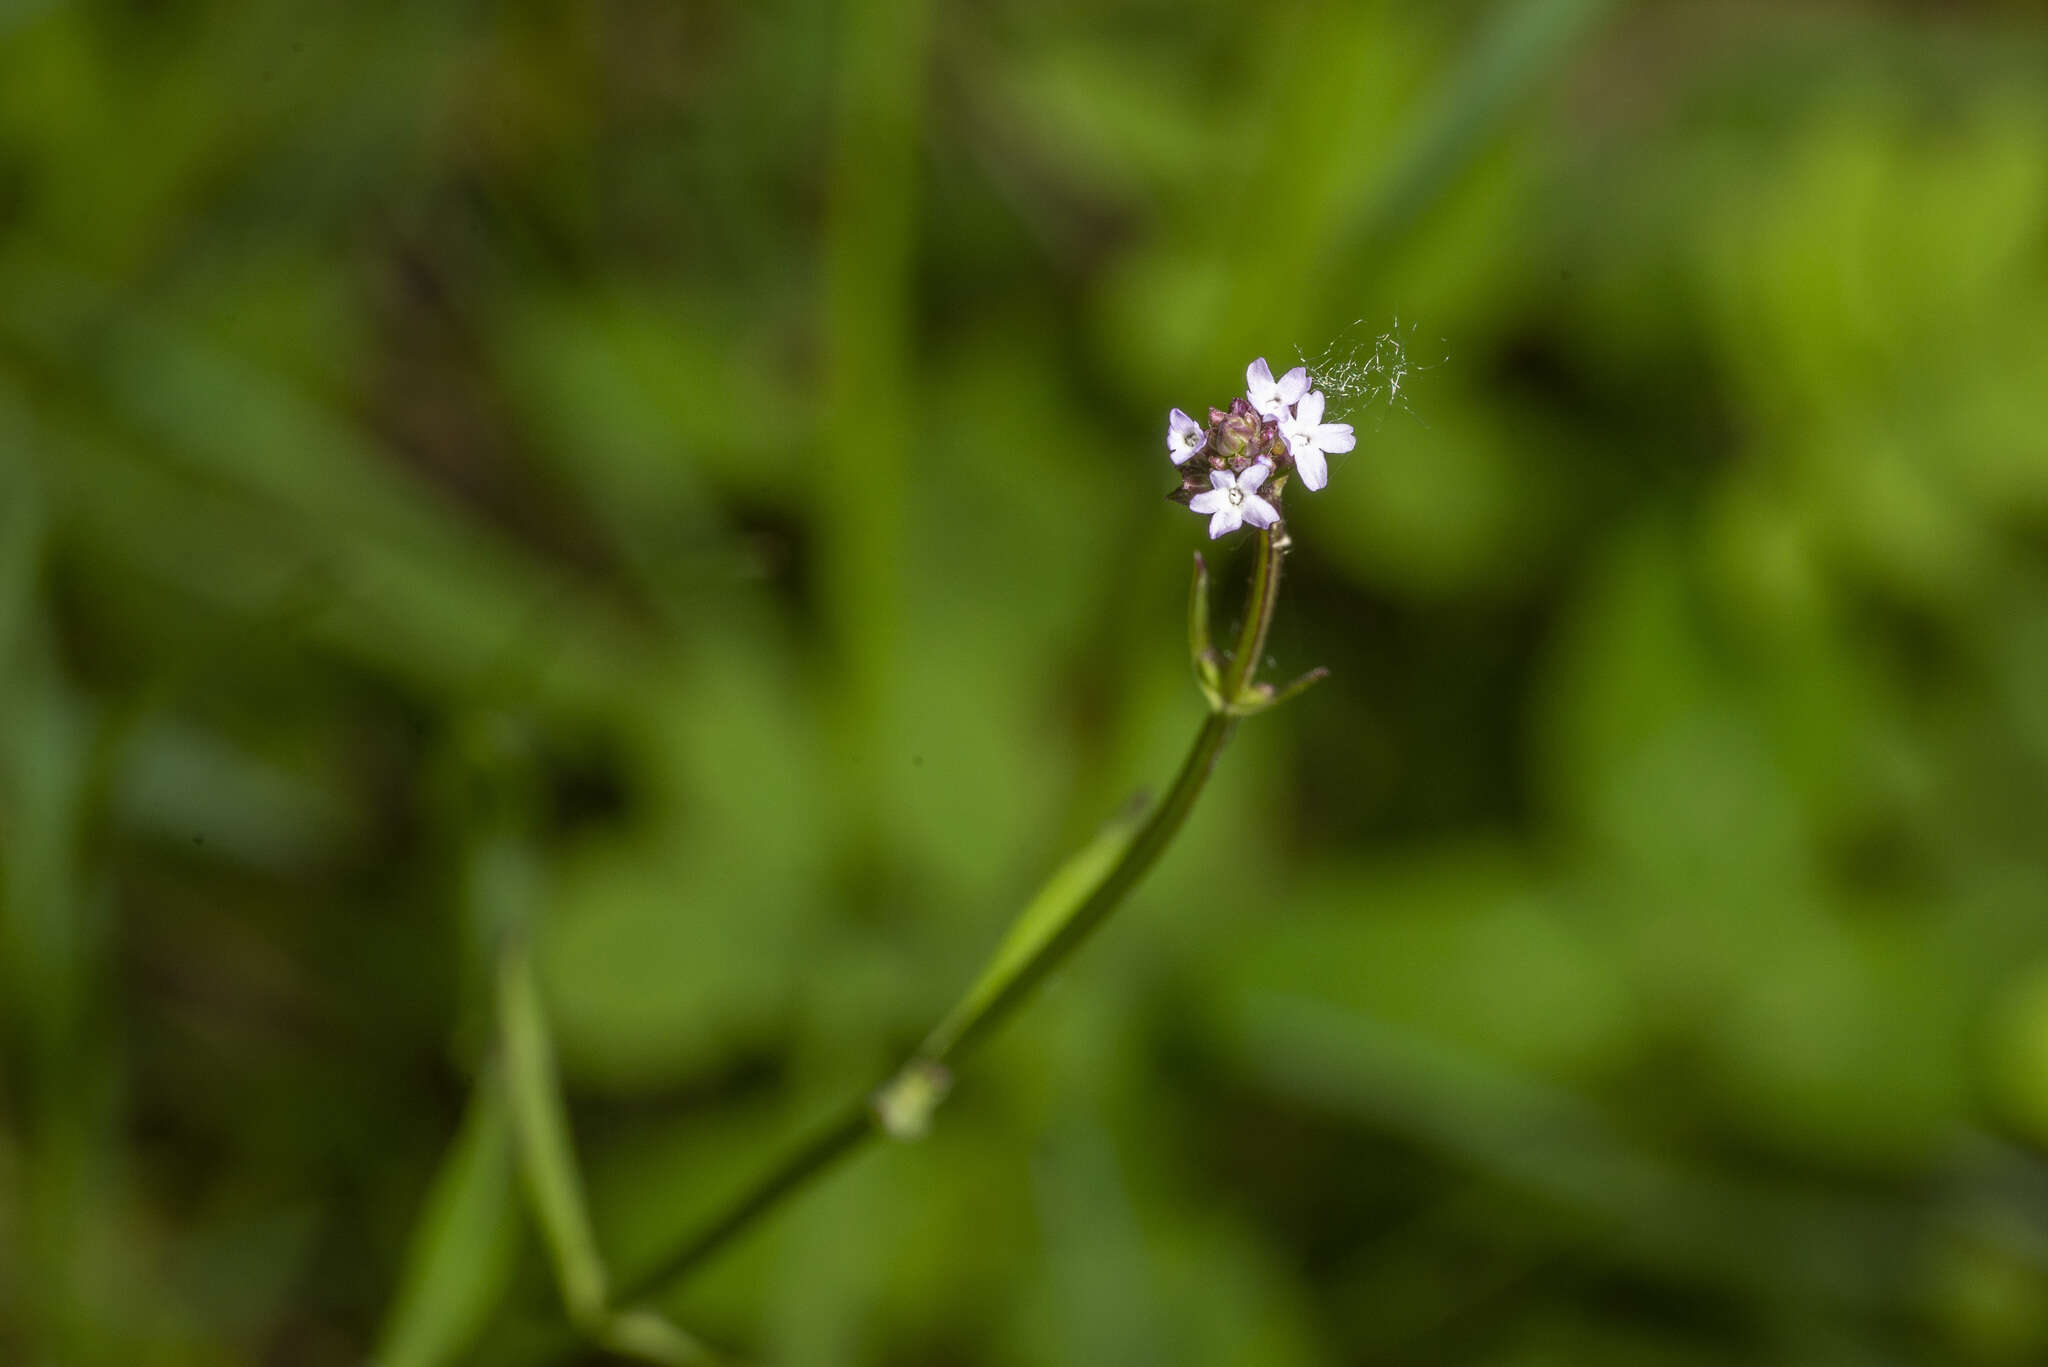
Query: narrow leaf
{"type": "Point", "coordinates": [1519, 45]}
{"type": "Point", "coordinates": [647, 1337]}
{"type": "Point", "coordinates": [1199, 649]}
{"type": "Point", "coordinates": [465, 1247]}
{"type": "Point", "coordinates": [540, 1124]}
{"type": "Point", "coordinates": [1057, 902]}
{"type": "Point", "coordinates": [1301, 685]}
{"type": "Point", "coordinates": [1262, 697]}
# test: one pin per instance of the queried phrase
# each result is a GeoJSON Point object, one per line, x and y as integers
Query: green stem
{"type": "Point", "coordinates": [1144, 850]}
{"type": "Point", "coordinates": [963, 1031]}
{"type": "Point", "coordinates": [1258, 616]}
{"type": "Point", "coordinates": [835, 1142]}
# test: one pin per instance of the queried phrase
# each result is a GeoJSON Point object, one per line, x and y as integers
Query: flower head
{"type": "Point", "coordinates": [1184, 436]}
{"type": "Point", "coordinates": [1309, 439]}
{"type": "Point", "coordinates": [1274, 398]}
{"type": "Point", "coordinates": [1269, 435]}
{"type": "Point", "coordinates": [1233, 500]}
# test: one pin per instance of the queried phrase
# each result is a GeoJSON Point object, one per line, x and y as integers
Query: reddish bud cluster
{"type": "Point", "coordinates": [1236, 438]}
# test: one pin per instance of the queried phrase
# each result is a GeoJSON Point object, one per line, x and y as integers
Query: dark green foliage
{"type": "Point", "coordinates": [684, 479]}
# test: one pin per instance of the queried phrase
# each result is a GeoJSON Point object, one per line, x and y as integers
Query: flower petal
{"type": "Point", "coordinates": [1309, 412]}
{"type": "Point", "coordinates": [1253, 477]}
{"type": "Point", "coordinates": [1222, 479]}
{"type": "Point", "coordinates": [1335, 437]}
{"type": "Point", "coordinates": [1228, 519]}
{"type": "Point", "coordinates": [1266, 396]}
{"type": "Point", "coordinates": [1294, 384]}
{"type": "Point", "coordinates": [1209, 500]}
{"type": "Point", "coordinates": [1258, 512]}
{"type": "Point", "coordinates": [1314, 470]}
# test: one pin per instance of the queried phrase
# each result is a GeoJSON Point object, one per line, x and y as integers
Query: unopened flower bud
{"type": "Point", "coordinates": [1234, 436]}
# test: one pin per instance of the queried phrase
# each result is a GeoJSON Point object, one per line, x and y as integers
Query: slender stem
{"type": "Point", "coordinates": [831, 1144]}
{"type": "Point", "coordinates": [858, 1123]}
{"type": "Point", "coordinates": [1258, 615]}
{"type": "Point", "coordinates": [1145, 848]}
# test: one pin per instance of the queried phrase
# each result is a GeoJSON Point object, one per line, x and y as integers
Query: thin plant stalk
{"type": "Point", "coordinates": [901, 1106]}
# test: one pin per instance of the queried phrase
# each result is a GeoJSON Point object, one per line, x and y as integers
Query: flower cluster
{"type": "Point", "coordinates": [1276, 428]}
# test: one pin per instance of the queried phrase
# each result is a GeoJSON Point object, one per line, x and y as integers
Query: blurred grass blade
{"type": "Point", "coordinates": [464, 1250]}
{"type": "Point", "coordinates": [869, 255]}
{"type": "Point", "coordinates": [647, 1336]}
{"type": "Point", "coordinates": [281, 501]}
{"type": "Point", "coordinates": [540, 1125]}
{"type": "Point", "coordinates": [1749, 1236]}
{"type": "Point", "coordinates": [20, 557]}
{"type": "Point", "coordinates": [1523, 43]}
{"type": "Point", "coordinates": [48, 972]}
{"type": "Point", "coordinates": [1057, 903]}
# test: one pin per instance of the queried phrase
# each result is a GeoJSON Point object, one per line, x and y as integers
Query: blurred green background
{"type": "Point", "coordinates": [688, 477]}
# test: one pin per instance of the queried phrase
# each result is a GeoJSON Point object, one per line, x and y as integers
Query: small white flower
{"type": "Point", "coordinates": [1184, 436]}
{"type": "Point", "coordinates": [1233, 500]}
{"type": "Point", "coordinates": [1309, 439]}
{"type": "Point", "coordinates": [1274, 398]}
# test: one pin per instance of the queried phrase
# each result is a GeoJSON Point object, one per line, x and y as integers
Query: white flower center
{"type": "Point", "coordinates": [1235, 495]}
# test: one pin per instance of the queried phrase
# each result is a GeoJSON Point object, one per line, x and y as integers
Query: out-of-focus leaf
{"type": "Point", "coordinates": [647, 1337]}
{"type": "Point", "coordinates": [1556, 1145]}
{"type": "Point", "coordinates": [1466, 947]}
{"type": "Point", "coordinates": [540, 1129]}
{"type": "Point", "coordinates": [465, 1244]}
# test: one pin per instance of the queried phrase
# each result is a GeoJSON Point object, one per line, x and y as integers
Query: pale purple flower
{"type": "Point", "coordinates": [1309, 439]}
{"type": "Point", "coordinates": [1184, 436]}
{"type": "Point", "coordinates": [1274, 398]}
{"type": "Point", "coordinates": [1233, 500]}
